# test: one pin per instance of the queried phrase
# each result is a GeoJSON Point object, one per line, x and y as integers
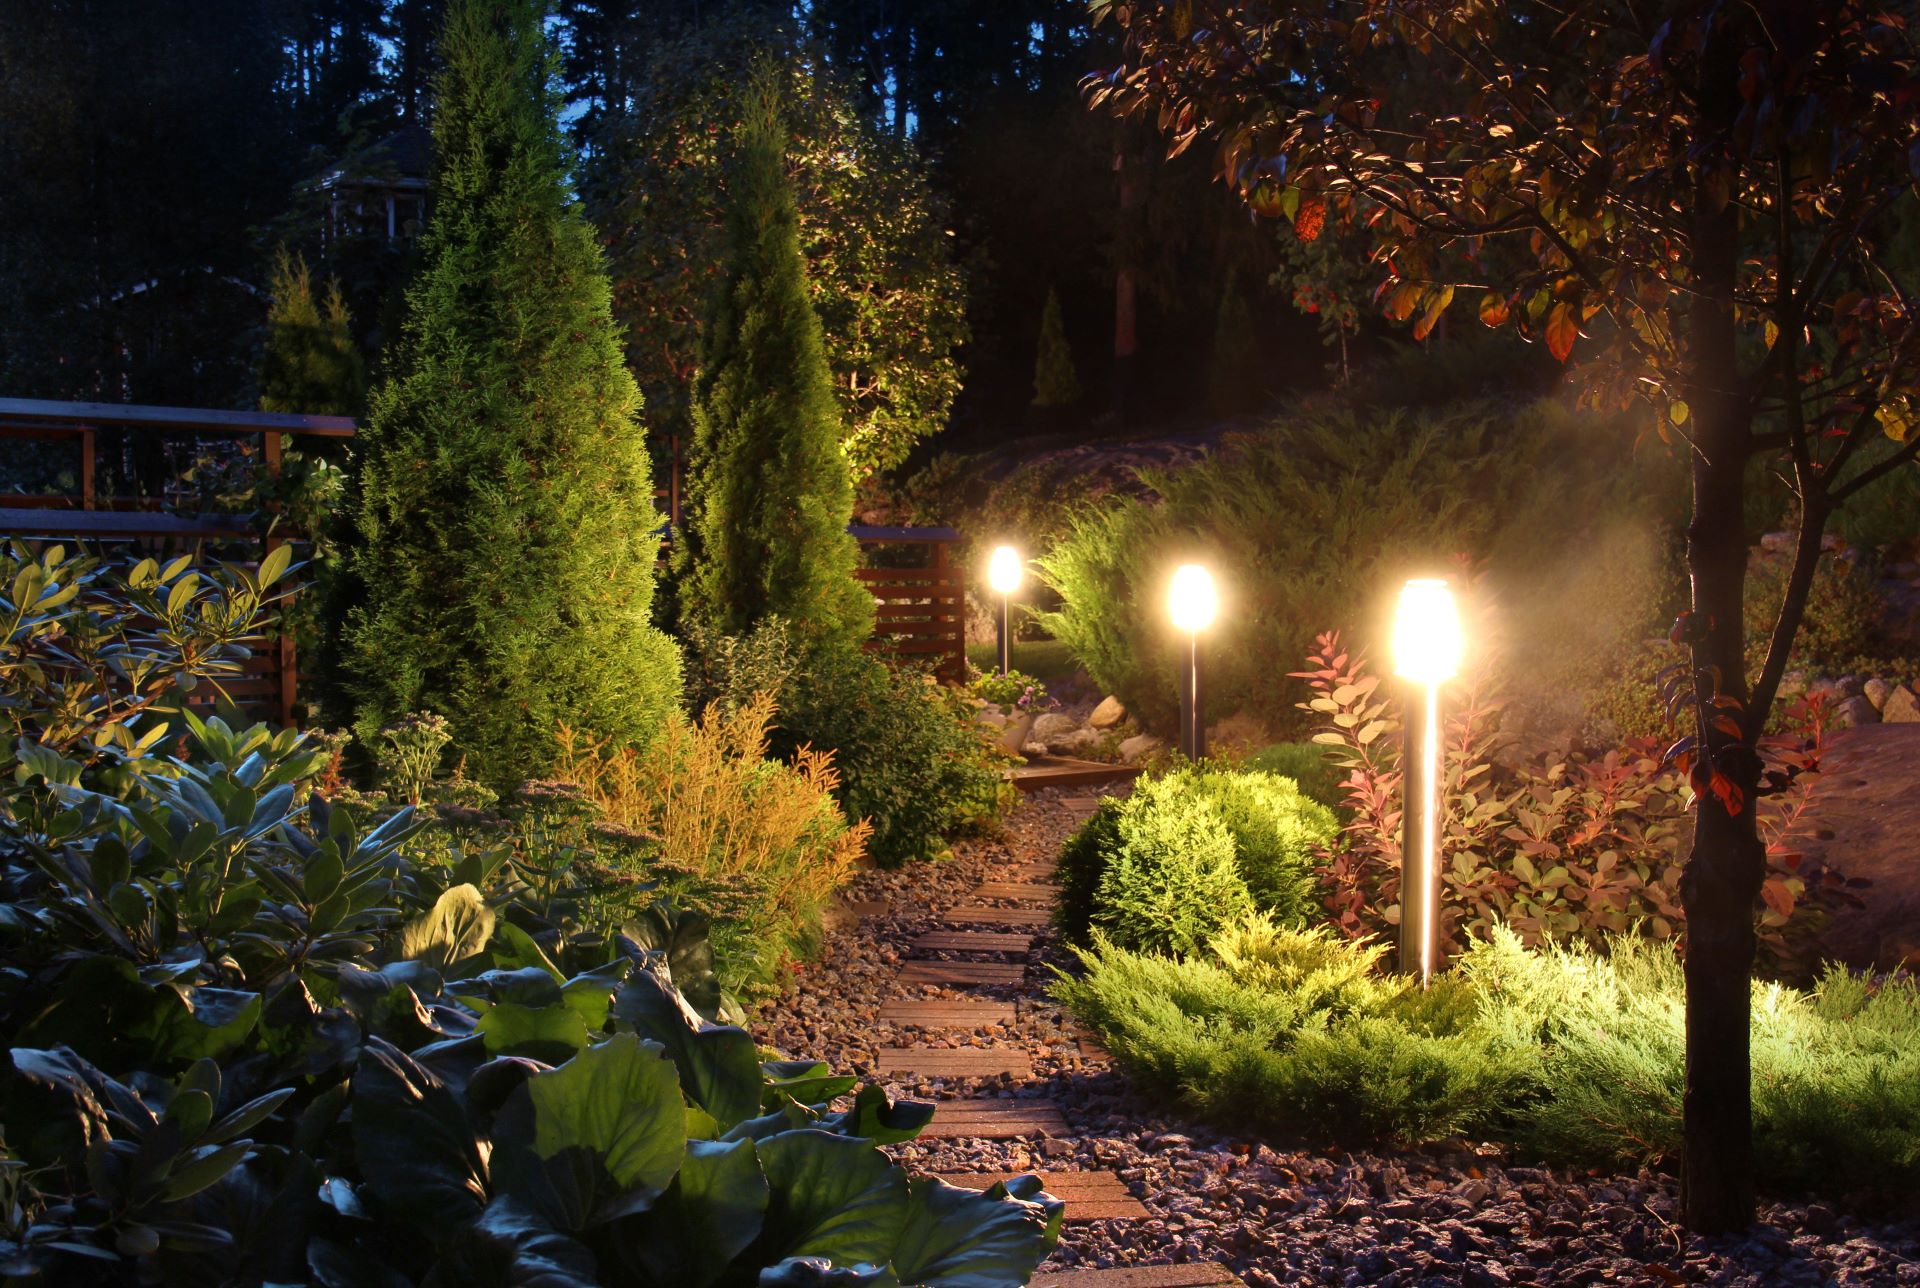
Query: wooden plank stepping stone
{"type": "Point", "coordinates": [994, 1120]}
{"type": "Point", "coordinates": [1089, 1196]}
{"type": "Point", "coordinates": [870, 908]}
{"type": "Point", "coordinates": [1034, 871]}
{"type": "Point", "coordinates": [973, 941]}
{"type": "Point", "coordinates": [981, 915]}
{"type": "Point", "coordinates": [1196, 1275]}
{"type": "Point", "coordinates": [962, 974]}
{"type": "Point", "coordinates": [1081, 804]}
{"type": "Point", "coordinates": [1030, 890]}
{"type": "Point", "coordinates": [956, 1062]}
{"type": "Point", "coordinates": [958, 1013]}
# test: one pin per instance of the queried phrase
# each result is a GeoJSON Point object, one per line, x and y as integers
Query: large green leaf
{"type": "Point", "coordinates": [882, 1121]}
{"type": "Point", "coordinates": [415, 1145]}
{"type": "Point", "coordinates": [511, 1247]}
{"type": "Point", "coordinates": [709, 1216]}
{"type": "Point", "coordinates": [455, 928]}
{"type": "Point", "coordinates": [818, 1272]}
{"type": "Point", "coordinates": [548, 1033]}
{"type": "Point", "coordinates": [597, 1138]}
{"type": "Point", "coordinates": [719, 1066]}
{"type": "Point", "coordinates": [832, 1196]}
{"type": "Point", "coordinates": [677, 938]}
{"type": "Point", "coordinates": [957, 1238]}
{"type": "Point", "coordinates": [810, 1082]}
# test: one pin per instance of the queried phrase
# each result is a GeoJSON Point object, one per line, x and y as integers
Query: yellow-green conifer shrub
{"type": "Point", "coordinates": [506, 538]}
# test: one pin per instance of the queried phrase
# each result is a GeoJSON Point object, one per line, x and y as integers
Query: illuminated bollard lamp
{"type": "Point", "coordinates": [1427, 645]}
{"type": "Point", "coordinates": [1193, 604]}
{"type": "Point", "coordinates": [1005, 569]}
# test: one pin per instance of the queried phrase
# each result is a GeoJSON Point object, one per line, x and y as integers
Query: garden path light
{"type": "Point", "coordinates": [1005, 570]}
{"type": "Point", "coordinates": [1193, 603]}
{"type": "Point", "coordinates": [1427, 646]}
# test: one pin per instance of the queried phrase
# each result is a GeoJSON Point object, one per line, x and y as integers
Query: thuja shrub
{"type": "Point", "coordinates": [502, 573]}
{"type": "Point", "coordinates": [1186, 853]}
{"type": "Point", "coordinates": [757, 844]}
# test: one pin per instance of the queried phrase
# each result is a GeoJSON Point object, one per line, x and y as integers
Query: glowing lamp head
{"type": "Point", "coordinates": [1004, 570]}
{"type": "Point", "coordinates": [1192, 601]}
{"type": "Point", "coordinates": [1427, 641]}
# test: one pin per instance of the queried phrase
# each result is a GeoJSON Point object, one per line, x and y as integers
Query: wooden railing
{"type": "Point", "coordinates": [269, 685]}
{"type": "Point", "coordinates": [920, 609]}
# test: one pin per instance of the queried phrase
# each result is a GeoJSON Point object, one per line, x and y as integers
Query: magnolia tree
{"type": "Point", "coordinates": [1697, 201]}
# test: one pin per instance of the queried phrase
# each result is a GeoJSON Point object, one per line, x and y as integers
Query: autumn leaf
{"type": "Point", "coordinates": [1436, 308]}
{"type": "Point", "coordinates": [1493, 308]}
{"type": "Point", "coordinates": [1310, 219]}
{"type": "Point", "coordinates": [1563, 328]}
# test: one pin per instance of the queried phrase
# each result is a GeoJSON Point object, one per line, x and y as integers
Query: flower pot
{"type": "Point", "coordinates": [1013, 734]}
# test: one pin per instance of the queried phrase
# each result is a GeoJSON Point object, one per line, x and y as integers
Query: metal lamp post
{"type": "Point", "coordinates": [1004, 572]}
{"type": "Point", "coordinates": [1427, 645]}
{"type": "Point", "coordinates": [1193, 603]}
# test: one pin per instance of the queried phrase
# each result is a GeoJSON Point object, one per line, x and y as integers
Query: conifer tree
{"type": "Point", "coordinates": [312, 365]}
{"type": "Point", "coordinates": [771, 490]}
{"type": "Point", "coordinates": [1055, 383]}
{"type": "Point", "coordinates": [506, 526]}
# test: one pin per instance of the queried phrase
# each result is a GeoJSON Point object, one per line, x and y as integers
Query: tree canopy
{"type": "Point", "coordinates": [1699, 201]}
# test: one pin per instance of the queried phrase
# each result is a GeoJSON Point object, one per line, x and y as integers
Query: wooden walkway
{"type": "Point", "coordinates": [967, 1039]}
{"type": "Point", "coordinates": [1065, 771]}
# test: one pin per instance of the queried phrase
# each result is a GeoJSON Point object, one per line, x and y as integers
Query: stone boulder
{"type": "Point", "coordinates": [1877, 691]}
{"type": "Point", "coordinates": [1076, 742]}
{"type": "Point", "coordinates": [1858, 710]}
{"type": "Point", "coordinates": [1053, 725]}
{"type": "Point", "coordinates": [1240, 732]}
{"type": "Point", "coordinates": [1139, 747]}
{"type": "Point", "coordinates": [1902, 707]}
{"type": "Point", "coordinates": [1108, 714]}
{"type": "Point", "coordinates": [1861, 821]}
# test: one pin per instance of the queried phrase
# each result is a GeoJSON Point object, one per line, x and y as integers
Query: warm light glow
{"type": "Point", "coordinates": [1427, 643]}
{"type": "Point", "coordinates": [1193, 601]}
{"type": "Point", "coordinates": [1004, 570]}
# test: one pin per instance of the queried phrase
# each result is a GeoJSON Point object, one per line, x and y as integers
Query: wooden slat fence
{"type": "Point", "coordinates": [920, 611]}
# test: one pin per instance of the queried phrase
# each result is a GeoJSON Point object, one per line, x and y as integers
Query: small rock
{"type": "Point", "coordinates": [1053, 725]}
{"type": "Point", "coordinates": [1858, 710]}
{"type": "Point", "coordinates": [1877, 691]}
{"type": "Point", "coordinates": [1108, 714]}
{"type": "Point", "coordinates": [1901, 708]}
{"type": "Point", "coordinates": [1141, 745]}
{"type": "Point", "coordinates": [1079, 742]}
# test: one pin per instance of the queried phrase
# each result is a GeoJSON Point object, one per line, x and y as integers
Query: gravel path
{"type": "Point", "coordinates": [1272, 1214]}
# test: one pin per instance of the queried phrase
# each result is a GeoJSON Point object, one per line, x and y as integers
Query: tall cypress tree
{"type": "Point", "coordinates": [506, 524]}
{"type": "Point", "coordinates": [772, 492]}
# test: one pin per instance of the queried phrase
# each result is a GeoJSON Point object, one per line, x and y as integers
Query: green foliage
{"type": "Point", "coordinates": [1185, 854]}
{"type": "Point", "coordinates": [1306, 519]}
{"type": "Point", "coordinates": [1055, 382]}
{"type": "Point", "coordinates": [770, 494]}
{"type": "Point", "coordinates": [250, 1039]}
{"type": "Point", "coordinates": [408, 754]}
{"type": "Point", "coordinates": [881, 277]}
{"type": "Point", "coordinates": [1306, 763]}
{"type": "Point", "coordinates": [504, 562]}
{"type": "Point", "coordinates": [912, 760]}
{"type": "Point", "coordinates": [1842, 627]}
{"type": "Point", "coordinates": [1013, 693]}
{"type": "Point", "coordinates": [312, 365]}
{"type": "Point", "coordinates": [1296, 1031]}
{"type": "Point", "coordinates": [1571, 1054]}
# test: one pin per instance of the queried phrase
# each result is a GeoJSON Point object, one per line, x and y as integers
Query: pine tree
{"type": "Point", "coordinates": [1055, 384]}
{"type": "Point", "coordinates": [312, 366]}
{"type": "Point", "coordinates": [506, 525]}
{"type": "Point", "coordinates": [771, 492]}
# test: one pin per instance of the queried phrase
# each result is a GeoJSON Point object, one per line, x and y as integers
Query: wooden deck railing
{"type": "Point", "coordinates": [920, 608]}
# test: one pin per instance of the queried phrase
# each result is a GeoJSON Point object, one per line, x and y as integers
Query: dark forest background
{"type": "Point", "coordinates": [156, 152]}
